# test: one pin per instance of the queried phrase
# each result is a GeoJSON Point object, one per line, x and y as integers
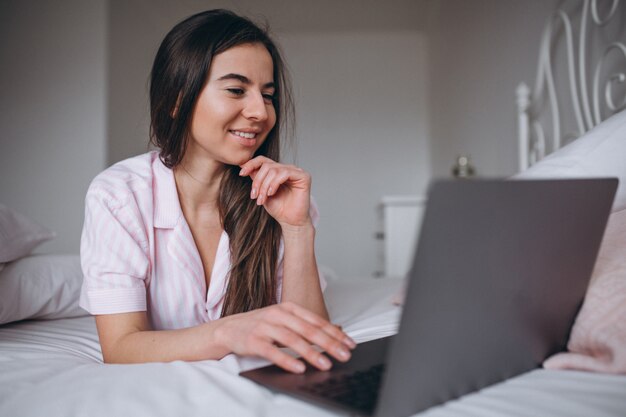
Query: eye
{"type": "Point", "coordinates": [236, 91]}
{"type": "Point", "coordinates": [269, 98]}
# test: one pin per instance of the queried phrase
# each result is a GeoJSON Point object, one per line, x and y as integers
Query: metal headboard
{"type": "Point", "coordinates": [590, 106]}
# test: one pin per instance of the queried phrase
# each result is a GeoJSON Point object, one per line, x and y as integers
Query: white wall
{"type": "Point", "coordinates": [362, 132]}
{"type": "Point", "coordinates": [52, 110]}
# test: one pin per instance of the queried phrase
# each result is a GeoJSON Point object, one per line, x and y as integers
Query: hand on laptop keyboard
{"type": "Point", "coordinates": [258, 332]}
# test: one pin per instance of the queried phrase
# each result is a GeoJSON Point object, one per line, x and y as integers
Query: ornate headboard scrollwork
{"type": "Point", "coordinates": [590, 107]}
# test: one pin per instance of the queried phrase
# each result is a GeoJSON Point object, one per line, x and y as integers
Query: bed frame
{"type": "Point", "coordinates": [590, 105]}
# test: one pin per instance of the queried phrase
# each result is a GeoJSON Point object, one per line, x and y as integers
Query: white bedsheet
{"type": "Point", "coordinates": [54, 368]}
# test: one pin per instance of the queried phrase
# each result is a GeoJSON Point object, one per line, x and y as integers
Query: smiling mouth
{"type": "Point", "coordinates": [245, 139]}
{"type": "Point", "coordinates": [245, 135]}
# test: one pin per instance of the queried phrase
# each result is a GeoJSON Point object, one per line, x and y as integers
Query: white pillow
{"type": "Point", "coordinates": [601, 152]}
{"type": "Point", "coordinates": [19, 235]}
{"type": "Point", "coordinates": [41, 286]}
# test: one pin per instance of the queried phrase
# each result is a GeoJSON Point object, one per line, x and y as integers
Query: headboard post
{"type": "Point", "coordinates": [523, 123]}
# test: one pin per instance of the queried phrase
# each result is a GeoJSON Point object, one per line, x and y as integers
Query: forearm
{"type": "Point", "coordinates": [190, 344]}
{"type": "Point", "coordinates": [301, 283]}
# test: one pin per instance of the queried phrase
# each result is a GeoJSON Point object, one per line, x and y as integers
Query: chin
{"type": "Point", "coordinates": [239, 159]}
{"type": "Point", "coordinates": [239, 156]}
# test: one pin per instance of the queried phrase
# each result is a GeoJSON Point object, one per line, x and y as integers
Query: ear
{"type": "Point", "coordinates": [174, 112]}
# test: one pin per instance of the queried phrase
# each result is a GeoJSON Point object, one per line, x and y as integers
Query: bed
{"type": "Point", "coordinates": [54, 367]}
{"type": "Point", "coordinates": [51, 363]}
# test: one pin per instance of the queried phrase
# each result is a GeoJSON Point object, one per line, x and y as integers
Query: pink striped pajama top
{"type": "Point", "coordinates": [138, 253]}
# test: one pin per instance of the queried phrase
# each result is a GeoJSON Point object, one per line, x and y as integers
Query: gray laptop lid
{"type": "Point", "coordinates": [500, 270]}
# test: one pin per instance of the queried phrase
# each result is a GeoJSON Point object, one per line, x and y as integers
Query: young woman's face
{"type": "Point", "coordinates": [234, 112]}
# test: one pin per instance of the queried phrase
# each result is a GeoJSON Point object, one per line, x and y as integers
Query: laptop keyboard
{"type": "Point", "coordinates": [357, 390]}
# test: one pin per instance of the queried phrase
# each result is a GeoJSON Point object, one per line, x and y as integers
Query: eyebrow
{"type": "Point", "coordinates": [244, 80]}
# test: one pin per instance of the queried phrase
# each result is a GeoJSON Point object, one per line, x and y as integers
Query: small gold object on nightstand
{"type": "Point", "coordinates": [463, 168]}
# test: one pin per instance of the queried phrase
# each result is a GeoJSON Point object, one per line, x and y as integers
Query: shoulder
{"type": "Point", "coordinates": [124, 180]}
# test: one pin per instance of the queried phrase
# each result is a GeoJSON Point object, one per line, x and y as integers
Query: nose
{"type": "Point", "coordinates": [256, 108]}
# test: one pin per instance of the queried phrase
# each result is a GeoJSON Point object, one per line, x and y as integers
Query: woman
{"type": "Point", "coordinates": [205, 247]}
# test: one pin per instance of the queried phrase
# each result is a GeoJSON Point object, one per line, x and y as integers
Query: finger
{"type": "Point", "coordinates": [346, 338]}
{"type": "Point", "coordinates": [298, 177]}
{"type": "Point", "coordinates": [332, 345]}
{"type": "Point", "coordinates": [253, 164]}
{"type": "Point", "coordinates": [266, 186]}
{"type": "Point", "coordinates": [299, 345]}
{"type": "Point", "coordinates": [275, 355]}
{"type": "Point", "coordinates": [279, 179]}
{"type": "Point", "coordinates": [318, 321]}
{"type": "Point", "coordinates": [316, 335]}
{"type": "Point", "coordinates": [257, 180]}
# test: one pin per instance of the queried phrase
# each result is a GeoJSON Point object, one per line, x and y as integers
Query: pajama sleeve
{"type": "Point", "coordinates": [114, 254]}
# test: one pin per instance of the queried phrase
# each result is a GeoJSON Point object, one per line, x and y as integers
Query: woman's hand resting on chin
{"type": "Point", "coordinates": [284, 190]}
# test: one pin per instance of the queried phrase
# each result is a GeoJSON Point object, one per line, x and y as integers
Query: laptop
{"type": "Point", "coordinates": [499, 273]}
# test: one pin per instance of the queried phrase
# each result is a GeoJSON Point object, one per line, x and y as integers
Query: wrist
{"type": "Point", "coordinates": [219, 337]}
{"type": "Point", "coordinates": [291, 231]}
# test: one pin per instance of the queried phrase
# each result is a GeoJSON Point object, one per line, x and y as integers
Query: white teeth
{"type": "Point", "coordinates": [244, 134]}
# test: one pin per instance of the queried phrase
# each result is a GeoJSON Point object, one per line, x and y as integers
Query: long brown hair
{"type": "Point", "coordinates": [179, 72]}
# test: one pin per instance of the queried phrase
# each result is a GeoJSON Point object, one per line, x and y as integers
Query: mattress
{"type": "Point", "coordinates": [54, 368]}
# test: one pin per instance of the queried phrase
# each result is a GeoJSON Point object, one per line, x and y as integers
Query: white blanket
{"type": "Point", "coordinates": [54, 368]}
